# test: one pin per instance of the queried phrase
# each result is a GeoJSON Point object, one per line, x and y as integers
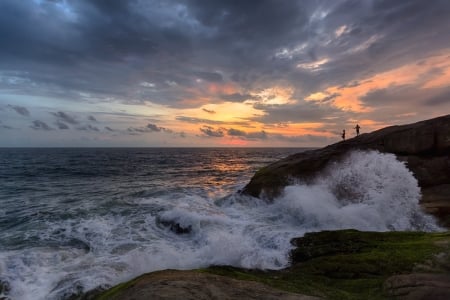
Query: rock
{"type": "Point", "coordinates": [423, 146]}
{"type": "Point", "coordinates": [343, 264]}
{"type": "Point", "coordinates": [174, 226]}
{"type": "Point", "coordinates": [5, 288]}
{"type": "Point", "coordinates": [171, 284]}
{"type": "Point", "coordinates": [418, 286]}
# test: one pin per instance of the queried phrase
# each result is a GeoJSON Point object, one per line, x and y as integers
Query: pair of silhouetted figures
{"type": "Point", "coordinates": [356, 128]}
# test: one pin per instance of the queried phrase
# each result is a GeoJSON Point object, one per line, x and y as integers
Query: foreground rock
{"type": "Point", "coordinates": [194, 285]}
{"type": "Point", "coordinates": [424, 146]}
{"type": "Point", "coordinates": [345, 264]}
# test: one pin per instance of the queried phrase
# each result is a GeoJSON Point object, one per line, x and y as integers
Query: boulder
{"type": "Point", "coordinates": [172, 284]}
{"type": "Point", "coordinates": [424, 147]}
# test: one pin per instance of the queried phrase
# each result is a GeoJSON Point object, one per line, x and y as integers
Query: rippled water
{"type": "Point", "coordinates": [100, 200]}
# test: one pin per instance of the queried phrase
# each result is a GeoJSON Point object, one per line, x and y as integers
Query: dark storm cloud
{"type": "Point", "coordinates": [20, 110]}
{"type": "Point", "coordinates": [211, 132]}
{"type": "Point", "coordinates": [107, 48]}
{"type": "Point", "coordinates": [92, 118]}
{"type": "Point", "coordinates": [40, 125]}
{"type": "Point", "coordinates": [64, 117]}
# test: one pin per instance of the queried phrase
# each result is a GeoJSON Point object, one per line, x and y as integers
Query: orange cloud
{"type": "Point", "coordinates": [432, 72]}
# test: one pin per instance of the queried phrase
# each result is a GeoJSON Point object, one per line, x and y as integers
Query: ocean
{"type": "Point", "coordinates": [72, 220]}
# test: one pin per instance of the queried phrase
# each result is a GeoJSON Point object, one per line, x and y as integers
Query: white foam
{"type": "Point", "coordinates": [366, 191]}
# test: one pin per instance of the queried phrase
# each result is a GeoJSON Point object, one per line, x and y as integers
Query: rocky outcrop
{"type": "Point", "coordinates": [344, 264]}
{"type": "Point", "coordinates": [424, 146]}
{"type": "Point", "coordinates": [171, 284]}
{"type": "Point", "coordinates": [418, 286]}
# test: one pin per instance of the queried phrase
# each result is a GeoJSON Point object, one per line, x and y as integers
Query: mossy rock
{"type": "Point", "coordinates": [350, 264]}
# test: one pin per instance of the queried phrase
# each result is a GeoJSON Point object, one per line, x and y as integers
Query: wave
{"type": "Point", "coordinates": [365, 191]}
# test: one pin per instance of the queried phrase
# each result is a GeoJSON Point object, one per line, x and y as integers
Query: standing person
{"type": "Point", "coordinates": [357, 129]}
{"type": "Point", "coordinates": [343, 134]}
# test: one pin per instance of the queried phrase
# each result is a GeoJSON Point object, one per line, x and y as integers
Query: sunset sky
{"type": "Point", "coordinates": [138, 73]}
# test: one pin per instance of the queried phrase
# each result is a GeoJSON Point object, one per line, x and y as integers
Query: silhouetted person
{"type": "Point", "coordinates": [343, 134]}
{"type": "Point", "coordinates": [357, 129]}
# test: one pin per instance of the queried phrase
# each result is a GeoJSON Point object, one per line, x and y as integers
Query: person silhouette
{"type": "Point", "coordinates": [357, 129]}
{"type": "Point", "coordinates": [343, 134]}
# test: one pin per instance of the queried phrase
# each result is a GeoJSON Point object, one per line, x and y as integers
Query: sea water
{"type": "Point", "coordinates": [72, 220]}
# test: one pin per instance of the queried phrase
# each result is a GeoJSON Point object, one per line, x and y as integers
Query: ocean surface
{"type": "Point", "coordinates": [75, 219]}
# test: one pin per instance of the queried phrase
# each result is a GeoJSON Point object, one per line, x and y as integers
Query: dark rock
{"type": "Point", "coordinates": [418, 286]}
{"type": "Point", "coordinates": [423, 146]}
{"type": "Point", "coordinates": [174, 226]}
{"type": "Point", "coordinates": [5, 288]}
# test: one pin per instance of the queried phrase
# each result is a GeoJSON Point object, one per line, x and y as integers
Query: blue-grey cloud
{"type": "Point", "coordinates": [150, 127]}
{"type": "Point", "coordinates": [153, 128]}
{"type": "Point", "coordinates": [20, 110]}
{"type": "Point", "coordinates": [61, 125]}
{"type": "Point", "coordinates": [92, 118]}
{"type": "Point", "coordinates": [64, 117]}
{"type": "Point", "coordinates": [88, 127]}
{"type": "Point", "coordinates": [40, 125]}
{"type": "Point", "coordinates": [4, 126]}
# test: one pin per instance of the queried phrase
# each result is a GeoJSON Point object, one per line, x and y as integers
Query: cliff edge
{"type": "Point", "coordinates": [424, 147]}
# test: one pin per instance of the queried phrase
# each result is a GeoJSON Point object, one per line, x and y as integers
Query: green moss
{"type": "Point", "coordinates": [108, 294]}
{"type": "Point", "coordinates": [349, 264]}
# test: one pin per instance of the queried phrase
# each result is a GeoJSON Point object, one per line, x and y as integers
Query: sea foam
{"type": "Point", "coordinates": [365, 191]}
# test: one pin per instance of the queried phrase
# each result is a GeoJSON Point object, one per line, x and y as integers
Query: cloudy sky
{"type": "Point", "coordinates": [218, 73]}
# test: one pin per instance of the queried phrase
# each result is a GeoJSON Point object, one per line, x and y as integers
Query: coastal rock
{"type": "Point", "coordinates": [343, 264]}
{"type": "Point", "coordinates": [424, 147]}
{"type": "Point", "coordinates": [171, 284]}
{"type": "Point", "coordinates": [418, 286]}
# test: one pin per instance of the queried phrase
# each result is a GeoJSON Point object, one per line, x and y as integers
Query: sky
{"type": "Point", "coordinates": [210, 73]}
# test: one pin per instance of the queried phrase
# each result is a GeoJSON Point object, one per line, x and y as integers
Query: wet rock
{"type": "Point", "coordinates": [174, 226]}
{"type": "Point", "coordinates": [423, 146]}
{"type": "Point", "coordinates": [5, 288]}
